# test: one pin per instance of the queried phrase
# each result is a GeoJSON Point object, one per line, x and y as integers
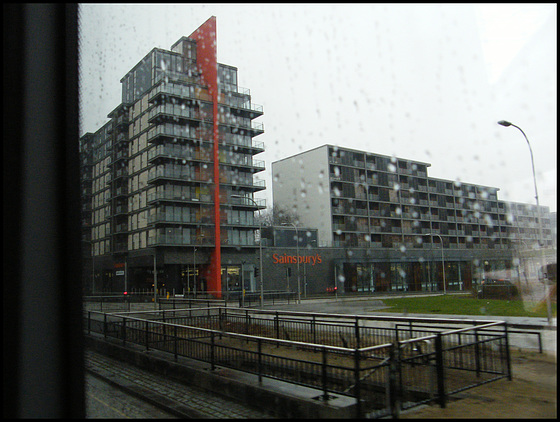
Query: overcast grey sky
{"type": "Point", "coordinates": [426, 82]}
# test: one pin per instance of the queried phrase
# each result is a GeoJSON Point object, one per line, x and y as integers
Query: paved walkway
{"type": "Point", "coordinates": [176, 398]}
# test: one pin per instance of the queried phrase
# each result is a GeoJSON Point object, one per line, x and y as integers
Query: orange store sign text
{"type": "Point", "coordinates": [293, 259]}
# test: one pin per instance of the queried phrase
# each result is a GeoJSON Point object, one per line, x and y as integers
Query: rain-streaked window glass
{"type": "Point", "coordinates": [387, 148]}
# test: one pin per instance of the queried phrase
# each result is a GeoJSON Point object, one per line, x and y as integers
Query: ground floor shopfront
{"type": "Point", "coordinates": [177, 272]}
{"type": "Point", "coordinates": [309, 271]}
{"type": "Point", "coordinates": [325, 270]}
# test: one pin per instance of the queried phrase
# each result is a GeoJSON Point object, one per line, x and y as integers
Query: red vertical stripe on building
{"type": "Point", "coordinates": [207, 60]}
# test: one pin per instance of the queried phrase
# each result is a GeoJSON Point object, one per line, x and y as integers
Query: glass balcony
{"type": "Point", "coordinates": [175, 112]}
{"type": "Point", "coordinates": [248, 202]}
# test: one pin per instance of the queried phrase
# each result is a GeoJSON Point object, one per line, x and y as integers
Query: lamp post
{"type": "Point", "coordinates": [260, 245]}
{"type": "Point", "coordinates": [194, 267]}
{"type": "Point", "coordinates": [297, 254]}
{"type": "Point", "coordinates": [155, 280]}
{"type": "Point", "coordinates": [90, 243]}
{"type": "Point", "coordinates": [505, 123]}
{"type": "Point", "coordinates": [194, 261]}
{"type": "Point", "coordinates": [442, 261]}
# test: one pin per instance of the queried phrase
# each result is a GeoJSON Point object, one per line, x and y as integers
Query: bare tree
{"type": "Point", "coordinates": [277, 215]}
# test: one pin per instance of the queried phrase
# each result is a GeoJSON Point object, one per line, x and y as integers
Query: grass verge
{"type": "Point", "coordinates": [465, 305]}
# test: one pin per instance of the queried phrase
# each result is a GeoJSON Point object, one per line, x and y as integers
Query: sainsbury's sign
{"type": "Point", "coordinates": [293, 259]}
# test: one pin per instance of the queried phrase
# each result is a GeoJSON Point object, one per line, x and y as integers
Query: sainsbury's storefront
{"type": "Point", "coordinates": [322, 270]}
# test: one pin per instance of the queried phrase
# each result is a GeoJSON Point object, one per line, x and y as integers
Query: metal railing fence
{"type": "Point", "coordinates": [412, 363]}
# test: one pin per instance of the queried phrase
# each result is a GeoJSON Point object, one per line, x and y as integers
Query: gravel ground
{"type": "Point", "coordinates": [532, 394]}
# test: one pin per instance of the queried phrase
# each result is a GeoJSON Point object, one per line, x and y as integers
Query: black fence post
{"type": "Point", "coordinates": [277, 326]}
{"type": "Point", "coordinates": [440, 371]}
{"type": "Point", "coordinates": [212, 351]}
{"type": "Point", "coordinates": [89, 323]}
{"type": "Point", "coordinates": [105, 325]}
{"type": "Point", "coordinates": [313, 330]}
{"type": "Point", "coordinates": [476, 352]}
{"type": "Point", "coordinates": [124, 331]}
{"type": "Point", "coordinates": [175, 341]}
{"type": "Point", "coordinates": [393, 392]}
{"type": "Point", "coordinates": [357, 332]}
{"type": "Point", "coordinates": [164, 322]}
{"type": "Point", "coordinates": [246, 322]}
{"type": "Point", "coordinates": [508, 357]}
{"type": "Point", "coordinates": [259, 359]}
{"type": "Point", "coordinates": [324, 374]}
{"type": "Point", "coordinates": [147, 336]}
{"type": "Point", "coordinates": [220, 322]}
{"type": "Point", "coordinates": [460, 343]}
{"type": "Point", "coordinates": [357, 386]}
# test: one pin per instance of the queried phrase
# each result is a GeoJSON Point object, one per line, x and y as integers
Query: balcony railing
{"type": "Point", "coordinates": [177, 240]}
{"type": "Point", "coordinates": [178, 175]}
{"type": "Point", "coordinates": [226, 87]}
{"type": "Point", "coordinates": [181, 91]}
{"type": "Point", "coordinates": [163, 217]}
{"type": "Point", "coordinates": [170, 151]}
{"type": "Point", "coordinates": [248, 202]}
{"type": "Point", "coordinates": [155, 196]}
{"type": "Point", "coordinates": [177, 111]}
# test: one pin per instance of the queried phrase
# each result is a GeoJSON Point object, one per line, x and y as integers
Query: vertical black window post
{"type": "Point", "coordinates": [43, 367]}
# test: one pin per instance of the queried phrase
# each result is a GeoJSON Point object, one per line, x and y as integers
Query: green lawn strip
{"type": "Point", "coordinates": [460, 305]}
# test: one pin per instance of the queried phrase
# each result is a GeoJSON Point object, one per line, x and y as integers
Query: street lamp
{"type": "Point", "coordinates": [297, 253]}
{"type": "Point", "coordinates": [155, 280]}
{"type": "Point", "coordinates": [194, 267]}
{"type": "Point", "coordinates": [505, 123]}
{"type": "Point", "coordinates": [194, 261]}
{"type": "Point", "coordinates": [442, 261]}
{"type": "Point", "coordinates": [90, 243]}
{"type": "Point", "coordinates": [260, 244]}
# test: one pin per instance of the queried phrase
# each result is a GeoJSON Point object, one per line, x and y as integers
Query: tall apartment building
{"type": "Point", "coordinates": [390, 208]}
{"type": "Point", "coordinates": [168, 182]}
